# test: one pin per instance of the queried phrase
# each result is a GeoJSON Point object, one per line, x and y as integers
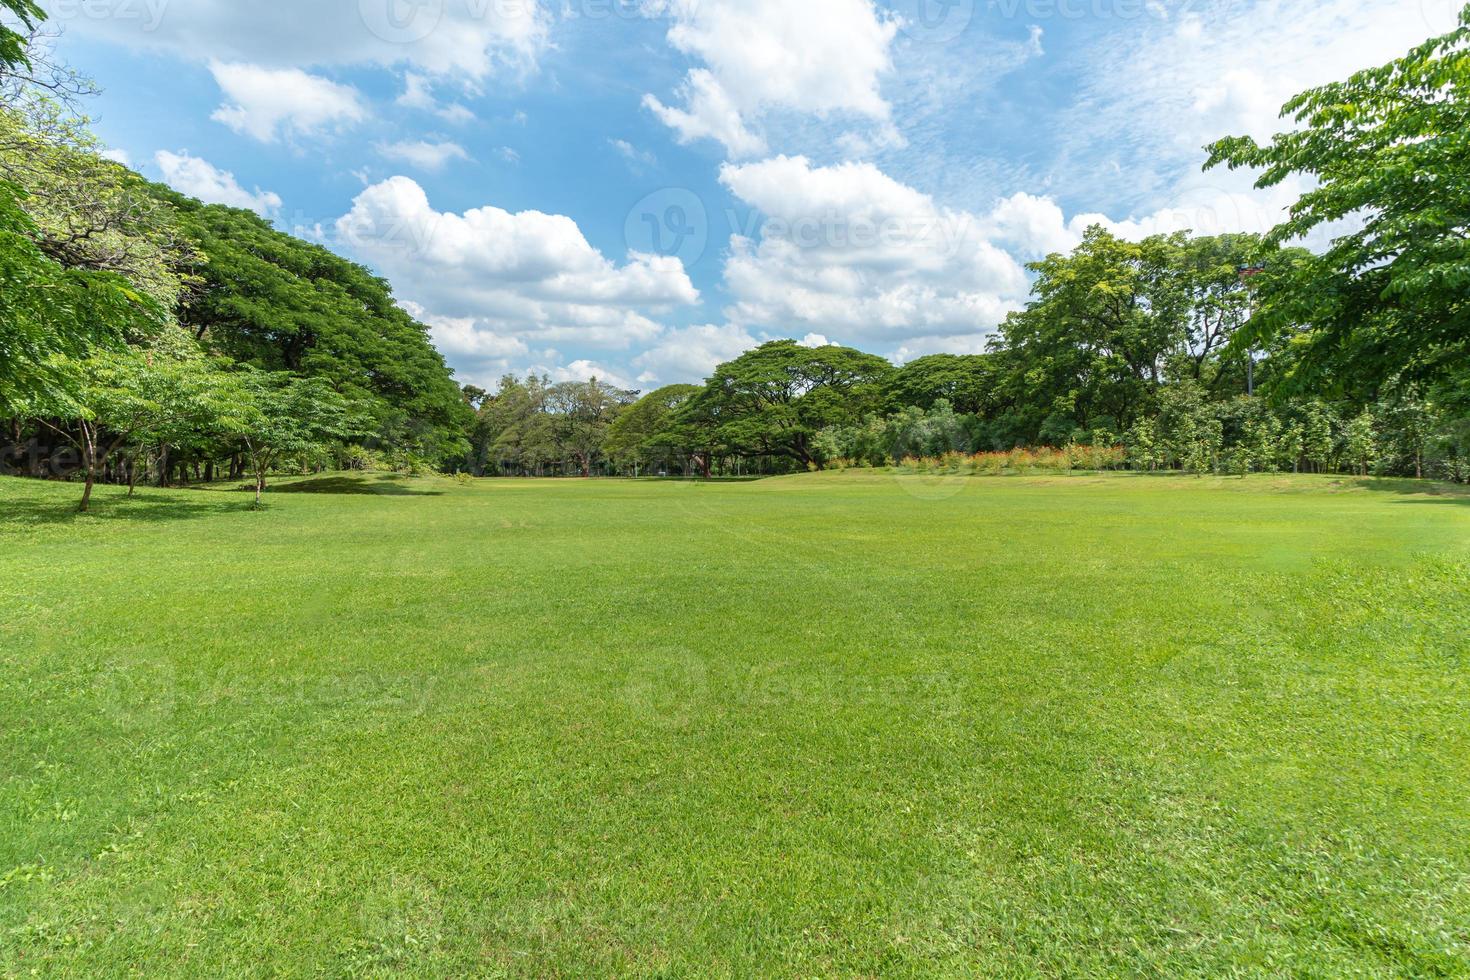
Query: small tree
{"type": "Point", "coordinates": [1362, 442]}
{"type": "Point", "coordinates": [1289, 447]}
{"type": "Point", "coordinates": [287, 416]}
{"type": "Point", "coordinates": [112, 399]}
{"type": "Point", "coordinates": [1144, 451]}
{"type": "Point", "coordinates": [1318, 436]}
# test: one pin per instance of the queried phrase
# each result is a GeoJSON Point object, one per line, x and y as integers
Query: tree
{"type": "Point", "coordinates": [49, 312]}
{"type": "Point", "coordinates": [273, 302]}
{"type": "Point", "coordinates": [1362, 442]}
{"type": "Point", "coordinates": [645, 431]}
{"type": "Point", "coordinates": [583, 412]}
{"type": "Point", "coordinates": [968, 382]}
{"type": "Point", "coordinates": [87, 212]}
{"type": "Point", "coordinates": [113, 398]}
{"type": "Point", "coordinates": [1142, 441]}
{"type": "Point", "coordinates": [771, 401]}
{"type": "Point", "coordinates": [931, 434]}
{"type": "Point", "coordinates": [1388, 152]}
{"type": "Point", "coordinates": [1319, 438]}
{"type": "Point", "coordinates": [1090, 349]}
{"type": "Point", "coordinates": [284, 416]}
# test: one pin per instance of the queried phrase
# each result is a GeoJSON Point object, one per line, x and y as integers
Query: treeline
{"type": "Point", "coordinates": [1235, 353]}
{"type": "Point", "coordinates": [149, 337]}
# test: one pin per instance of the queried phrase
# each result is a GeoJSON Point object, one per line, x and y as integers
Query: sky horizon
{"type": "Point", "coordinates": [642, 189]}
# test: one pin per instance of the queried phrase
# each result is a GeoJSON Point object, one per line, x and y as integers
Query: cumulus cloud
{"type": "Point", "coordinates": [497, 283]}
{"type": "Point", "coordinates": [423, 154]}
{"type": "Point", "coordinates": [267, 103]}
{"type": "Point", "coordinates": [471, 38]}
{"type": "Point", "coordinates": [848, 250]}
{"type": "Point", "coordinates": [691, 354]}
{"type": "Point", "coordinates": [199, 178]}
{"type": "Point", "coordinates": [709, 113]}
{"type": "Point", "coordinates": [819, 57]}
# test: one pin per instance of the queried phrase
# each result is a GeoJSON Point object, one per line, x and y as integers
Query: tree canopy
{"type": "Point", "coordinates": [1388, 154]}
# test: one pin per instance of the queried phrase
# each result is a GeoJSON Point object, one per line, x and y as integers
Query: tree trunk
{"type": "Point", "coordinates": [89, 459]}
{"type": "Point", "coordinates": [259, 487]}
{"type": "Point", "coordinates": [163, 465]}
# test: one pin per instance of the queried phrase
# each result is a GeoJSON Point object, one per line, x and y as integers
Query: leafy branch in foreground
{"type": "Point", "coordinates": [47, 310]}
{"type": "Point", "coordinates": [1388, 153]}
{"type": "Point", "coordinates": [13, 43]}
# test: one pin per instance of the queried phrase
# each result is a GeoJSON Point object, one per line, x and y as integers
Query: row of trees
{"type": "Point", "coordinates": [148, 336]}
{"type": "Point", "coordinates": [1229, 353]}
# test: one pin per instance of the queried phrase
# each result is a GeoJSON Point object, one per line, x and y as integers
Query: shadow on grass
{"type": "Point", "coordinates": [142, 508]}
{"type": "Point", "coordinates": [1420, 491]}
{"type": "Point", "coordinates": [349, 486]}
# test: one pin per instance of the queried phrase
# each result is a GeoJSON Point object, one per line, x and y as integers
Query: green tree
{"type": "Point", "coordinates": [283, 416]}
{"type": "Point", "coordinates": [273, 302]}
{"type": "Point", "coordinates": [48, 311]}
{"type": "Point", "coordinates": [771, 401]}
{"type": "Point", "coordinates": [645, 431]}
{"type": "Point", "coordinates": [1388, 151]}
{"type": "Point", "coordinates": [114, 398]}
{"type": "Point", "coordinates": [968, 382]}
{"type": "Point", "coordinates": [87, 212]}
{"type": "Point", "coordinates": [1142, 442]}
{"type": "Point", "coordinates": [1090, 349]}
{"type": "Point", "coordinates": [1361, 439]}
{"type": "Point", "coordinates": [1319, 436]}
{"type": "Point", "coordinates": [583, 412]}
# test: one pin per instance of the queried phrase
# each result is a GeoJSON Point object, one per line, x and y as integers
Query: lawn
{"type": "Point", "coordinates": [834, 725]}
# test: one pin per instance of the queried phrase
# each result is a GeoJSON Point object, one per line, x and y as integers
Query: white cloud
{"type": "Point", "coordinates": [637, 159]}
{"type": "Point", "coordinates": [480, 353]}
{"type": "Point", "coordinates": [527, 278]}
{"type": "Point", "coordinates": [118, 156]}
{"type": "Point", "coordinates": [691, 354]}
{"type": "Point", "coordinates": [423, 154]}
{"type": "Point", "coordinates": [200, 178]}
{"type": "Point", "coordinates": [585, 370]}
{"type": "Point", "coordinates": [847, 250]}
{"type": "Point", "coordinates": [418, 93]}
{"type": "Point", "coordinates": [1151, 98]}
{"type": "Point", "coordinates": [710, 114]}
{"type": "Point", "coordinates": [468, 38]}
{"type": "Point", "coordinates": [266, 103]}
{"type": "Point", "coordinates": [817, 57]}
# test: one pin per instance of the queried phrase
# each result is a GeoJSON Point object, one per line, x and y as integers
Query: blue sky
{"type": "Point", "coordinates": [639, 189]}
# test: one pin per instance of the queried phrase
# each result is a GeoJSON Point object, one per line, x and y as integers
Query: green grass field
{"type": "Point", "coordinates": [836, 725]}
